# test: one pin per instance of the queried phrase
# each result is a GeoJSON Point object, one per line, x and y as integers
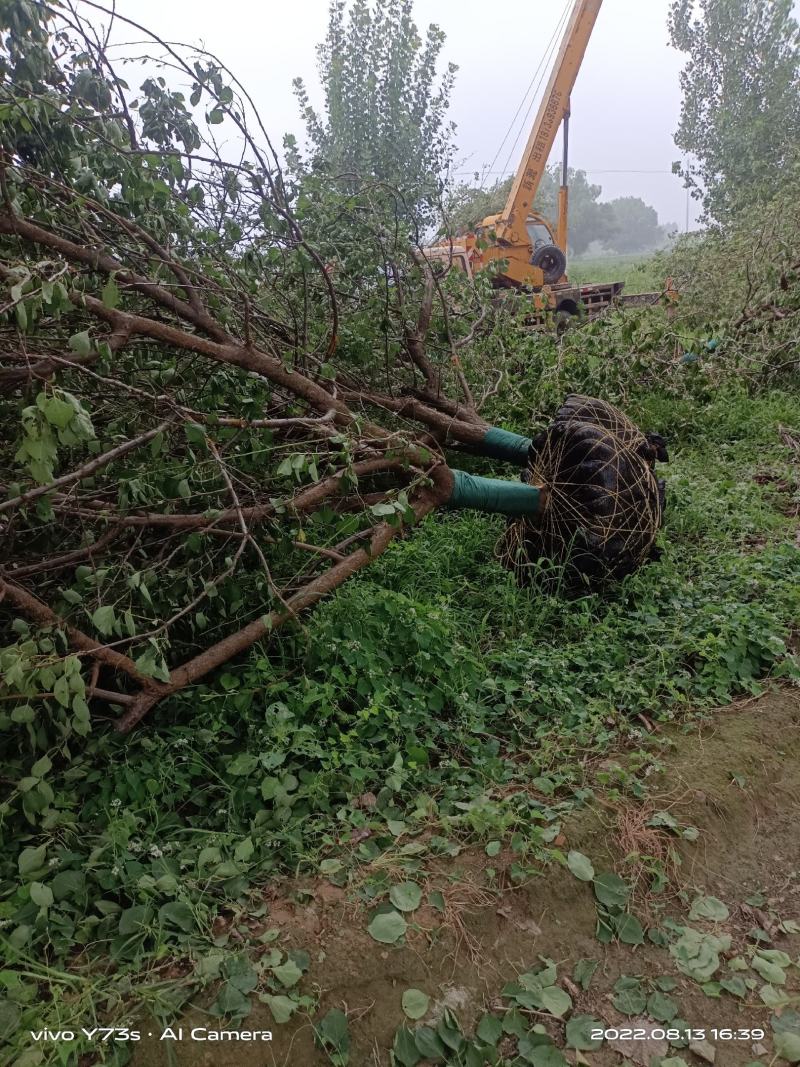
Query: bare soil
{"type": "Point", "coordinates": [737, 779]}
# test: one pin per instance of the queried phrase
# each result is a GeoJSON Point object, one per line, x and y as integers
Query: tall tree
{"type": "Point", "coordinates": [636, 225]}
{"type": "Point", "coordinates": [740, 117]}
{"type": "Point", "coordinates": [385, 111]}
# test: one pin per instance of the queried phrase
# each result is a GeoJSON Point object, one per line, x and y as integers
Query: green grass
{"type": "Point", "coordinates": [639, 272]}
{"type": "Point", "coordinates": [431, 681]}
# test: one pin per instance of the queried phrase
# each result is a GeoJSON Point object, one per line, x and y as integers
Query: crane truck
{"type": "Point", "coordinates": [533, 253]}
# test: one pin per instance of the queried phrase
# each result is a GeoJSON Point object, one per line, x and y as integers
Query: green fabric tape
{"type": "Point", "coordinates": [493, 494]}
{"type": "Point", "coordinates": [502, 444]}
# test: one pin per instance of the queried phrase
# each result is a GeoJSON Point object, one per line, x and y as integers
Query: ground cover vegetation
{"type": "Point", "coordinates": [220, 382]}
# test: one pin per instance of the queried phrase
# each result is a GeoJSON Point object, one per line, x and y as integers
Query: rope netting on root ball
{"type": "Point", "coordinates": [602, 505]}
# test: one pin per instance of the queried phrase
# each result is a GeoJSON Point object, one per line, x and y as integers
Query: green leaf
{"type": "Point", "coordinates": [288, 973]}
{"type": "Point", "coordinates": [134, 920]}
{"type": "Point", "coordinates": [662, 1007]}
{"type": "Point", "coordinates": [62, 692]}
{"type": "Point", "coordinates": [387, 927]}
{"type": "Point", "coordinates": [709, 908]}
{"type": "Point", "coordinates": [579, 1029]}
{"type": "Point", "coordinates": [436, 900]}
{"type": "Point", "coordinates": [628, 929]}
{"type": "Point", "coordinates": [41, 894]}
{"type": "Point", "coordinates": [787, 1045]}
{"type": "Point", "coordinates": [547, 1056]}
{"type": "Point", "coordinates": [104, 619]}
{"type": "Point", "coordinates": [611, 890]}
{"type": "Point", "coordinates": [195, 433]}
{"type": "Point", "coordinates": [775, 955]}
{"type": "Point", "coordinates": [32, 861]}
{"type": "Point", "coordinates": [183, 489]}
{"type": "Point", "coordinates": [216, 116]}
{"type": "Point", "coordinates": [580, 865]}
{"type": "Point", "coordinates": [493, 848]}
{"type": "Point", "coordinates": [332, 1031]}
{"type": "Point", "coordinates": [429, 1044]}
{"type": "Point", "coordinates": [555, 1000]}
{"type": "Point", "coordinates": [177, 913]}
{"type": "Point", "coordinates": [281, 1007]}
{"type": "Point", "coordinates": [415, 1003]}
{"type": "Point", "coordinates": [489, 1030]}
{"type": "Point", "coordinates": [405, 896]}
{"type": "Point", "coordinates": [80, 343]}
{"type": "Point", "coordinates": [772, 997]}
{"type": "Point", "coordinates": [58, 412]}
{"type": "Point", "coordinates": [629, 996]}
{"type": "Point", "coordinates": [232, 1001]}
{"type": "Point", "coordinates": [41, 767]}
{"type": "Point", "coordinates": [583, 972]}
{"type": "Point", "coordinates": [770, 972]}
{"type": "Point", "coordinates": [734, 985]}
{"type": "Point", "coordinates": [110, 294]}
{"type": "Point", "coordinates": [404, 1048]}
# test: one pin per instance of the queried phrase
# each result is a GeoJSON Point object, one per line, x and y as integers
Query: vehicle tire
{"type": "Point", "coordinates": [551, 261]}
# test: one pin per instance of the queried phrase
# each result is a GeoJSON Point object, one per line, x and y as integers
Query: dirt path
{"type": "Point", "coordinates": [737, 781]}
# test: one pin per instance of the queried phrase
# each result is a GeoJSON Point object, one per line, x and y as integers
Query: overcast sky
{"type": "Point", "coordinates": [625, 105]}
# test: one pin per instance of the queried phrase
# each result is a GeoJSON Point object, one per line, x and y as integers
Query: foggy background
{"type": "Point", "coordinates": [625, 105]}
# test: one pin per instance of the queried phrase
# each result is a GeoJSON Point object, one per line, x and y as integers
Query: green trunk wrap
{"type": "Point", "coordinates": [502, 444]}
{"type": "Point", "coordinates": [493, 494]}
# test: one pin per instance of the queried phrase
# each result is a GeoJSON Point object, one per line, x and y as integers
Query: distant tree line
{"type": "Point", "coordinates": [626, 224]}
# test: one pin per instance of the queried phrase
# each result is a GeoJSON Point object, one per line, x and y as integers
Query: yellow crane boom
{"type": "Point", "coordinates": [554, 108]}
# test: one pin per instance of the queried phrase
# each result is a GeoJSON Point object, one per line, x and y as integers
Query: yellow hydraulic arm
{"type": "Point", "coordinates": [510, 224]}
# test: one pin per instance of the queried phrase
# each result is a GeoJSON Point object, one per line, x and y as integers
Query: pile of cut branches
{"type": "Point", "coordinates": [222, 394]}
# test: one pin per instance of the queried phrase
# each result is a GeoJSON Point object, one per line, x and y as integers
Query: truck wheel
{"type": "Point", "coordinates": [551, 261]}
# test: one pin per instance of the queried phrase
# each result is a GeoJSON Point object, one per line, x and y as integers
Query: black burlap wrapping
{"type": "Point", "coordinates": [604, 503]}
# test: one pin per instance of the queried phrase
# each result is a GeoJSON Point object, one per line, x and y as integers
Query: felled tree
{"type": "Point", "coordinates": [220, 399]}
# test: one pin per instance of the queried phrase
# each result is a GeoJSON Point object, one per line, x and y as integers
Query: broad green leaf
{"type": "Point", "coordinates": [770, 972]}
{"type": "Point", "coordinates": [80, 343]}
{"type": "Point", "coordinates": [628, 929]}
{"type": "Point", "coordinates": [177, 913]}
{"type": "Point", "coordinates": [415, 1003]}
{"type": "Point", "coordinates": [555, 1000]}
{"type": "Point", "coordinates": [387, 927]}
{"type": "Point", "coordinates": [489, 1030]}
{"type": "Point", "coordinates": [288, 973]}
{"type": "Point", "coordinates": [580, 865]}
{"type": "Point", "coordinates": [709, 908]}
{"type": "Point", "coordinates": [104, 619]}
{"type": "Point", "coordinates": [405, 896]}
{"type": "Point", "coordinates": [611, 890]}
{"type": "Point", "coordinates": [734, 985]}
{"type": "Point", "coordinates": [134, 920]}
{"type": "Point", "coordinates": [404, 1048]}
{"type": "Point", "coordinates": [629, 996]}
{"type": "Point", "coordinates": [110, 294]}
{"type": "Point", "coordinates": [281, 1007]}
{"type": "Point", "coordinates": [41, 894]}
{"type": "Point", "coordinates": [787, 1045]}
{"type": "Point", "coordinates": [232, 1001]}
{"type": "Point", "coordinates": [429, 1044]}
{"type": "Point", "coordinates": [32, 861]}
{"type": "Point", "coordinates": [332, 1031]}
{"type": "Point", "coordinates": [41, 767]}
{"type": "Point", "coordinates": [662, 1007]}
{"type": "Point", "coordinates": [583, 972]}
{"type": "Point", "coordinates": [579, 1030]}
